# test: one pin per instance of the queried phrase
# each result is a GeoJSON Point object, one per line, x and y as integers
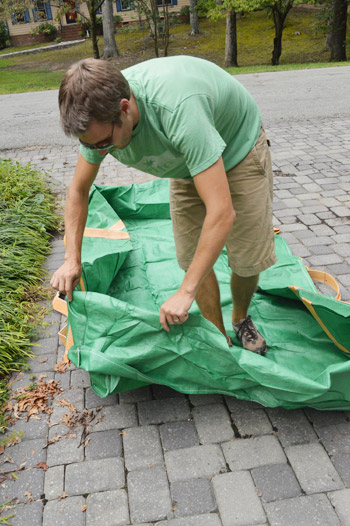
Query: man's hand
{"type": "Point", "coordinates": [66, 278]}
{"type": "Point", "coordinates": [175, 310]}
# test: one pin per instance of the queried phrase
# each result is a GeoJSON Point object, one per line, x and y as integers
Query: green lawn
{"type": "Point", "coordinates": [302, 48]}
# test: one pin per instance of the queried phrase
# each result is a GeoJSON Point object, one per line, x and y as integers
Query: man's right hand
{"type": "Point", "coordinates": [66, 278]}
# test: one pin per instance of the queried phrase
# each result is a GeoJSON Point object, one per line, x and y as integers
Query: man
{"type": "Point", "coordinates": [186, 119]}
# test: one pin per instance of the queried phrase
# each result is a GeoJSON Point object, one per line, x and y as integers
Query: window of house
{"type": "Point", "coordinates": [164, 2]}
{"type": "Point", "coordinates": [20, 17]}
{"type": "Point", "coordinates": [41, 11]}
{"type": "Point", "coordinates": [125, 5]}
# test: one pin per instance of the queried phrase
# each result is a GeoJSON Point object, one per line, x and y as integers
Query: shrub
{"type": "Point", "coordinates": [47, 30]}
{"type": "Point", "coordinates": [185, 14]}
{"type": "Point", "coordinates": [3, 35]}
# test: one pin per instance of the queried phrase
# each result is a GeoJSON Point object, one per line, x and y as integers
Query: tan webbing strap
{"type": "Point", "coordinates": [60, 305]}
{"type": "Point", "coordinates": [106, 234]}
{"type": "Point", "coordinates": [328, 279]}
{"type": "Point", "coordinates": [276, 230]}
{"type": "Point", "coordinates": [309, 305]}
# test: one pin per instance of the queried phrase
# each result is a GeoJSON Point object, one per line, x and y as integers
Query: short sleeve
{"type": "Point", "coordinates": [191, 130]}
{"type": "Point", "coordinates": [91, 156]}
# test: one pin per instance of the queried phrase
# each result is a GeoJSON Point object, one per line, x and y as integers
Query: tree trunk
{"type": "Point", "coordinates": [153, 22]}
{"type": "Point", "coordinates": [231, 40]}
{"type": "Point", "coordinates": [278, 19]}
{"type": "Point", "coordinates": [194, 20]}
{"type": "Point", "coordinates": [336, 37]}
{"type": "Point", "coordinates": [93, 27]}
{"type": "Point", "coordinates": [166, 29]}
{"type": "Point", "coordinates": [109, 47]}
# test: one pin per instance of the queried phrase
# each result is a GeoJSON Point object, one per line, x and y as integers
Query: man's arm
{"type": "Point", "coordinates": [213, 188]}
{"type": "Point", "coordinates": [66, 278]}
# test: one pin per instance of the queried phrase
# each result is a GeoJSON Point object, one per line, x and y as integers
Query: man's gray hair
{"type": "Point", "coordinates": [91, 90]}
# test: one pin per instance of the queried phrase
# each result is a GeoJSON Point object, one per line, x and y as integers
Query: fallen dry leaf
{"type": "Point", "coordinates": [43, 359]}
{"type": "Point", "coordinates": [2, 449]}
{"type": "Point", "coordinates": [42, 465]}
{"type": "Point", "coordinates": [87, 441]}
{"type": "Point", "coordinates": [84, 508]}
{"type": "Point", "coordinates": [29, 497]}
{"type": "Point", "coordinates": [63, 496]}
{"type": "Point", "coordinates": [70, 406]}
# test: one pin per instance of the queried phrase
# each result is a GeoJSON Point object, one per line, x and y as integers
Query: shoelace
{"type": "Point", "coordinates": [248, 329]}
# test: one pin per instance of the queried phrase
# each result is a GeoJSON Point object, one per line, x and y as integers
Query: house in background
{"type": "Point", "coordinates": [21, 25]}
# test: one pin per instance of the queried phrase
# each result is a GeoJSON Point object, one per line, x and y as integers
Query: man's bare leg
{"type": "Point", "coordinates": [242, 292]}
{"type": "Point", "coordinates": [208, 300]}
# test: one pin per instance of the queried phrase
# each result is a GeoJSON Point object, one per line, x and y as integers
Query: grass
{"type": "Point", "coordinates": [26, 219]}
{"type": "Point", "coordinates": [302, 48]}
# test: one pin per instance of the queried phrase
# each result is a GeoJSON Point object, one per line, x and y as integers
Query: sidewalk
{"type": "Point", "coordinates": [161, 458]}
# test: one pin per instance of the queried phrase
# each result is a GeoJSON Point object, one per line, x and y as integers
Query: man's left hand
{"type": "Point", "coordinates": [175, 310]}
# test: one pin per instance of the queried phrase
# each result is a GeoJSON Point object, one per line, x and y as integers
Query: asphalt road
{"type": "Point", "coordinates": [31, 119]}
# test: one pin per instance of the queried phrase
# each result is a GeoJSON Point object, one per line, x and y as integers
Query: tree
{"type": "Point", "coordinates": [194, 19]}
{"type": "Point", "coordinates": [228, 9]}
{"type": "Point", "coordinates": [158, 22]}
{"type": "Point", "coordinates": [336, 15]}
{"type": "Point", "coordinates": [279, 10]}
{"type": "Point", "coordinates": [110, 48]}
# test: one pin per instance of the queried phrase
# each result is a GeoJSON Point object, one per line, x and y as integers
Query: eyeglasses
{"type": "Point", "coordinates": [102, 145]}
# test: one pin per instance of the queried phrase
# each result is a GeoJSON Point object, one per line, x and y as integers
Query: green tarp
{"type": "Point", "coordinates": [119, 340]}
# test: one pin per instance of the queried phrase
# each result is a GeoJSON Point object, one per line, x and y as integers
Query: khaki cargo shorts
{"type": "Point", "coordinates": [250, 243]}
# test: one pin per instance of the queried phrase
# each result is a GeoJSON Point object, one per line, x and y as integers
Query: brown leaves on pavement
{"type": "Point", "coordinates": [33, 399]}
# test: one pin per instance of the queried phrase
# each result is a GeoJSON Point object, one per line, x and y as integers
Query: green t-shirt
{"type": "Point", "coordinates": [191, 112]}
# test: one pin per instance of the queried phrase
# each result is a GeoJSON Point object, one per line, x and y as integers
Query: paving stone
{"type": "Point", "coordinates": [103, 444]}
{"type": "Point", "coordinates": [63, 379]}
{"type": "Point", "coordinates": [32, 429]}
{"type": "Point", "coordinates": [80, 378]}
{"type": "Point", "coordinates": [313, 468]}
{"type": "Point", "coordinates": [292, 426]}
{"type": "Point", "coordinates": [325, 418]}
{"type": "Point", "coordinates": [136, 395]}
{"type": "Point", "coordinates": [313, 510]}
{"type": "Point", "coordinates": [115, 417]}
{"type": "Point", "coordinates": [213, 423]}
{"type": "Point", "coordinates": [335, 438]}
{"type": "Point", "coordinates": [300, 250]}
{"type": "Point", "coordinates": [194, 462]}
{"type": "Point", "coordinates": [252, 423]}
{"type": "Point", "coordinates": [276, 482]}
{"type": "Point", "coordinates": [192, 497]}
{"type": "Point", "coordinates": [178, 435]}
{"type": "Point", "coordinates": [318, 240]}
{"type": "Point", "coordinates": [253, 452]}
{"type": "Point", "coordinates": [64, 512]}
{"type": "Point", "coordinates": [71, 396]}
{"type": "Point", "coordinates": [45, 346]}
{"type": "Point", "coordinates": [27, 453]}
{"type": "Point", "coordinates": [341, 211]}
{"type": "Point", "coordinates": [29, 480]}
{"type": "Point", "coordinates": [205, 399]}
{"type": "Point", "coordinates": [309, 219]}
{"type": "Point", "coordinates": [92, 476]}
{"type": "Point", "coordinates": [237, 499]}
{"type": "Point", "coordinates": [209, 519]}
{"type": "Point", "coordinates": [54, 482]}
{"type": "Point", "coordinates": [341, 502]}
{"type": "Point", "coordinates": [109, 508]}
{"type": "Point", "coordinates": [20, 380]}
{"type": "Point", "coordinates": [142, 447]}
{"type": "Point", "coordinates": [26, 514]}
{"type": "Point", "coordinates": [149, 495]}
{"type": "Point", "coordinates": [239, 407]}
{"type": "Point", "coordinates": [160, 392]}
{"type": "Point", "coordinates": [93, 400]}
{"type": "Point", "coordinates": [45, 362]}
{"type": "Point", "coordinates": [65, 451]}
{"type": "Point", "coordinates": [162, 411]}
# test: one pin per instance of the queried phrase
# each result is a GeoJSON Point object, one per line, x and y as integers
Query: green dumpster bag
{"type": "Point", "coordinates": [130, 269]}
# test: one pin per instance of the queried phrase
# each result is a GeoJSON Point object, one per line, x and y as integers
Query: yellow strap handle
{"type": "Point", "coordinates": [328, 279]}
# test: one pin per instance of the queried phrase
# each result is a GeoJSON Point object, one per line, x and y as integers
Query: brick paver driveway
{"type": "Point", "coordinates": [161, 458]}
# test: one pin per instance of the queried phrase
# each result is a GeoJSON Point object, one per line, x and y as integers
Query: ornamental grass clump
{"type": "Point", "coordinates": [27, 221]}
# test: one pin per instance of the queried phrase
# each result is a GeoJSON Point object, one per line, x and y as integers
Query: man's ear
{"type": "Point", "coordinates": [125, 106]}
